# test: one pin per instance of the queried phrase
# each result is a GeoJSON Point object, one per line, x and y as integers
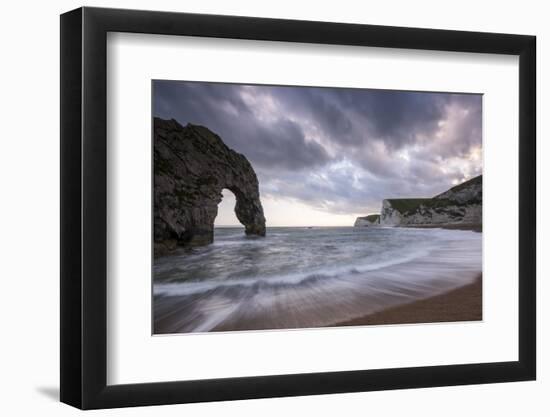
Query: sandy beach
{"type": "Point", "coordinates": [461, 304]}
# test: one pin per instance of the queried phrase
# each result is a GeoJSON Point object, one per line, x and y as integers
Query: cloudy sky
{"type": "Point", "coordinates": [324, 156]}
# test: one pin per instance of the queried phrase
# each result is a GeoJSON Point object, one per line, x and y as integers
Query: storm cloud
{"type": "Point", "coordinates": [334, 149]}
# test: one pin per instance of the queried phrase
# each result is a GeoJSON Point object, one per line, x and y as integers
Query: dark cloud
{"type": "Point", "coordinates": [278, 143]}
{"type": "Point", "coordinates": [341, 150]}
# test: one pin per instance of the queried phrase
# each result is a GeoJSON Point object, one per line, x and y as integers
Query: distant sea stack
{"type": "Point", "coordinates": [192, 165]}
{"type": "Point", "coordinates": [461, 204]}
{"type": "Point", "coordinates": [367, 221]}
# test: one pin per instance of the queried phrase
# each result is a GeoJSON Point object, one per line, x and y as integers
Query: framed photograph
{"type": "Point", "coordinates": [257, 208]}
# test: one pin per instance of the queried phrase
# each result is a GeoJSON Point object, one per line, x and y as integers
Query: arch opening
{"type": "Point", "coordinates": [227, 217]}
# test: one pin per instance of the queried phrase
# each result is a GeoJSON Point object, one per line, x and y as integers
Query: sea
{"type": "Point", "coordinates": [306, 277]}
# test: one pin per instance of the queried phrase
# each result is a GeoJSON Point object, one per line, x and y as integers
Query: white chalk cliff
{"type": "Point", "coordinates": [461, 204]}
{"type": "Point", "coordinates": [370, 220]}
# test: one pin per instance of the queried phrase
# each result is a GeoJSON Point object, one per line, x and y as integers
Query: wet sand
{"type": "Point", "coordinates": [461, 304]}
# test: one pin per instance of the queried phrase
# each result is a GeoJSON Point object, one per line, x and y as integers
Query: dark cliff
{"type": "Point", "coordinates": [192, 165]}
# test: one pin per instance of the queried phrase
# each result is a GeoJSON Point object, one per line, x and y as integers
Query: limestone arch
{"type": "Point", "coordinates": [192, 165]}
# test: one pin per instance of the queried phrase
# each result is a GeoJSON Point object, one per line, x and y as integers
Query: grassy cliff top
{"type": "Point", "coordinates": [372, 217]}
{"type": "Point", "coordinates": [472, 181]}
{"type": "Point", "coordinates": [409, 205]}
{"type": "Point", "coordinates": [404, 205]}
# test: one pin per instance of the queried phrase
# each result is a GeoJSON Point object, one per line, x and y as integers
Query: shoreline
{"type": "Point", "coordinates": [392, 293]}
{"type": "Point", "coordinates": [461, 304]}
{"type": "Point", "coordinates": [449, 226]}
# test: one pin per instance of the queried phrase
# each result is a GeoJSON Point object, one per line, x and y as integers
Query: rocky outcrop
{"type": "Point", "coordinates": [461, 204]}
{"type": "Point", "coordinates": [192, 166]}
{"type": "Point", "coordinates": [367, 221]}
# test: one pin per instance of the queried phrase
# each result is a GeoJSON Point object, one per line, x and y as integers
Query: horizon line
{"type": "Point", "coordinates": [309, 225]}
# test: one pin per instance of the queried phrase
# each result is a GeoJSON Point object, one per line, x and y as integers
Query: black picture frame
{"type": "Point", "coordinates": [84, 207]}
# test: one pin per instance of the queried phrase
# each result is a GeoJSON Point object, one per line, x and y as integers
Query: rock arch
{"type": "Point", "coordinates": [192, 166]}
